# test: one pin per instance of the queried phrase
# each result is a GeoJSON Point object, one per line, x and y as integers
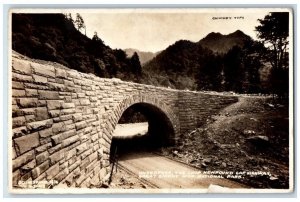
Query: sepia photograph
{"type": "Point", "coordinates": [157, 100]}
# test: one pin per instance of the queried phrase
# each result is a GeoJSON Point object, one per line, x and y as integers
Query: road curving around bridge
{"type": "Point", "coordinates": [161, 172]}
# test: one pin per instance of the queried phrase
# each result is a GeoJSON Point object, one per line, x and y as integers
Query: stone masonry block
{"type": "Point", "coordinates": [67, 111]}
{"type": "Point", "coordinates": [42, 103]}
{"type": "Point", "coordinates": [45, 140]}
{"type": "Point", "coordinates": [102, 173]}
{"type": "Point", "coordinates": [63, 165]}
{"type": "Point", "coordinates": [17, 85]}
{"type": "Point", "coordinates": [18, 93]}
{"type": "Point", "coordinates": [42, 148]}
{"type": "Point", "coordinates": [84, 102]}
{"type": "Point", "coordinates": [86, 153]}
{"type": "Point", "coordinates": [46, 133]}
{"type": "Point", "coordinates": [31, 92]}
{"type": "Point", "coordinates": [54, 104]}
{"type": "Point", "coordinates": [58, 127]}
{"type": "Point", "coordinates": [91, 166]}
{"type": "Point", "coordinates": [17, 132]}
{"type": "Point", "coordinates": [23, 159]}
{"type": "Point", "coordinates": [18, 121]}
{"type": "Point", "coordinates": [27, 142]}
{"type": "Point", "coordinates": [69, 179]}
{"type": "Point", "coordinates": [16, 111]}
{"type": "Point", "coordinates": [70, 140]}
{"type": "Point", "coordinates": [80, 95]}
{"type": "Point", "coordinates": [21, 66]}
{"type": "Point", "coordinates": [41, 113]}
{"type": "Point", "coordinates": [56, 157]}
{"type": "Point", "coordinates": [73, 74]}
{"type": "Point", "coordinates": [68, 99]}
{"type": "Point", "coordinates": [93, 156]}
{"type": "Point", "coordinates": [94, 137]}
{"type": "Point", "coordinates": [13, 153]}
{"type": "Point", "coordinates": [45, 70]}
{"type": "Point", "coordinates": [80, 125]}
{"type": "Point", "coordinates": [100, 153]}
{"type": "Point", "coordinates": [77, 117]}
{"type": "Point", "coordinates": [81, 148]}
{"type": "Point", "coordinates": [65, 117]}
{"type": "Point", "coordinates": [29, 166]}
{"type": "Point", "coordinates": [52, 172]}
{"type": "Point", "coordinates": [40, 125]}
{"type": "Point", "coordinates": [40, 79]}
{"type": "Point", "coordinates": [68, 105]}
{"type": "Point", "coordinates": [79, 181]}
{"type": "Point", "coordinates": [27, 102]}
{"type": "Point", "coordinates": [25, 177]}
{"type": "Point", "coordinates": [59, 137]}
{"type": "Point", "coordinates": [48, 95]}
{"type": "Point", "coordinates": [36, 172]}
{"type": "Point", "coordinates": [69, 154]}
{"type": "Point", "coordinates": [74, 166]}
{"type": "Point", "coordinates": [21, 77]}
{"type": "Point", "coordinates": [84, 164]}
{"type": "Point", "coordinates": [61, 175]}
{"type": "Point", "coordinates": [59, 73]}
{"type": "Point", "coordinates": [68, 83]}
{"type": "Point", "coordinates": [54, 113]}
{"type": "Point", "coordinates": [55, 148]}
{"type": "Point", "coordinates": [42, 157]}
{"type": "Point", "coordinates": [16, 177]}
{"type": "Point", "coordinates": [73, 160]}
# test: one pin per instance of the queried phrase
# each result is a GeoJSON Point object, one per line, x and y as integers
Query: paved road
{"type": "Point", "coordinates": [165, 173]}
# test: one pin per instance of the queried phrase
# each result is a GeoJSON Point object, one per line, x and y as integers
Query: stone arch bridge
{"type": "Point", "coordinates": [63, 120]}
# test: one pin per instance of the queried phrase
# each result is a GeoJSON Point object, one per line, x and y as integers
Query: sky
{"type": "Point", "coordinates": [155, 29]}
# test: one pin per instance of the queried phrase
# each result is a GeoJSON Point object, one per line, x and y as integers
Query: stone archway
{"type": "Point", "coordinates": [156, 112]}
{"type": "Point", "coordinates": [163, 124]}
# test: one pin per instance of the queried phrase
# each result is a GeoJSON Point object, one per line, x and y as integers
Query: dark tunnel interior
{"type": "Point", "coordinates": [160, 131]}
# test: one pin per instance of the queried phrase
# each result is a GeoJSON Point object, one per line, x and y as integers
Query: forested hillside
{"type": "Point", "coordinates": [57, 37]}
{"type": "Point", "coordinates": [217, 62]}
{"type": "Point", "coordinates": [232, 62]}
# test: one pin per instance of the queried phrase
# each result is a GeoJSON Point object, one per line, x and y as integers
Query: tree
{"type": "Point", "coordinates": [209, 75]}
{"type": "Point", "coordinates": [79, 23]}
{"type": "Point", "coordinates": [68, 16]}
{"type": "Point", "coordinates": [234, 69]}
{"type": "Point", "coordinates": [252, 62]}
{"type": "Point", "coordinates": [273, 31]}
{"type": "Point", "coordinates": [136, 67]}
{"type": "Point", "coordinates": [95, 37]}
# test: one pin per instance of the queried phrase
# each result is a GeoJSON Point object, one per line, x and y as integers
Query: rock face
{"type": "Point", "coordinates": [63, 121]}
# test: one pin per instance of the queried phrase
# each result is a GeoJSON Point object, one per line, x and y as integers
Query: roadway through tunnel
{"type": "Point", "coordinates": [142, 130]}
{"type": "Point", "coordinates": [142, 127]}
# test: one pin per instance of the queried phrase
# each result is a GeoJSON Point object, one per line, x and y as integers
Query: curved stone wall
{"type": "Point", "coordinates": [63, 120]}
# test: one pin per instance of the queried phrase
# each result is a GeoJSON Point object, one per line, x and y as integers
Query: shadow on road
{"type": "Point", "coordinates": [122, 148]}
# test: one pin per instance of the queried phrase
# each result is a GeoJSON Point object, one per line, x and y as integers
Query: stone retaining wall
{"type": "Point", "coordinates": [63, 120]}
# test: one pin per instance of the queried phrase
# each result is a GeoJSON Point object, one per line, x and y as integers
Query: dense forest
{"type": "Point", "coordinates": [58, 38]}
{"type": "Point", "coordinates": [232, 62]}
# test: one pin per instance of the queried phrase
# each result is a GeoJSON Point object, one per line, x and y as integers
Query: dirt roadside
{"type": "Point", "coordinates": [250, 137]}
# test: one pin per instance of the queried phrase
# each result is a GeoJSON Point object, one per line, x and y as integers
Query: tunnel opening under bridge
{"type": "Point", "coordinates": [142, 127]}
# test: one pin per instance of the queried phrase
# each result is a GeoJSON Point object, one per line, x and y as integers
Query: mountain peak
{"type": "Point", "coordinates": [213, 35]}
{"type": "Point", "coordinates": [143, 55]}
{"type": "Point", "coordinates": [220, 43]}
{"type": "Point", "coordinates": [237, 33]}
